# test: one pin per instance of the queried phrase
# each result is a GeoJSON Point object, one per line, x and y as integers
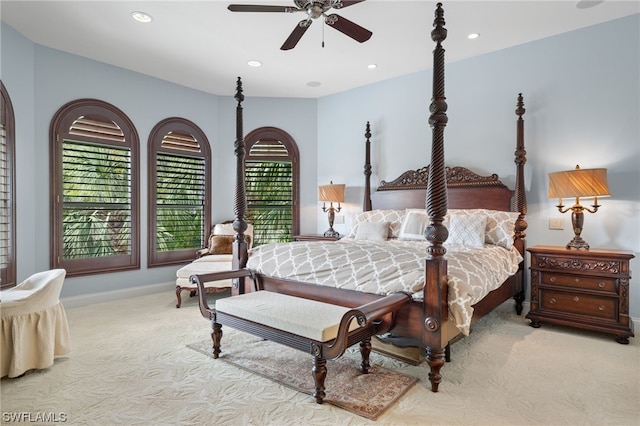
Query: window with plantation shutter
{"type": "Point", "coordinates": [95, 189]}
{"type": "Point", "coordinates": [179, 191]}
{"type": "Point", "coordinates": [271, 180]}
{"type": "Point", "coordinates": [7, 192]}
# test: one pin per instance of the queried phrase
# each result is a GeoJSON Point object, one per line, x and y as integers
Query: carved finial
{"type": "Point", "coordinates": [239, 96]}
{"type": "Point", "coordinates": [367, 133]}
{"type": "Point", "coordinates": [520, 106]}
{"type": "Point", "coordinates": [439, 32]}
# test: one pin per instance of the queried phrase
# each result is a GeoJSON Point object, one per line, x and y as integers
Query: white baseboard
{"type": "Point", "coordinates": [109, 296]}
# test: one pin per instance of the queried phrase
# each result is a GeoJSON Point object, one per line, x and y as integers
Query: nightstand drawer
{"type": "Point", "coordinates": [582, 282]}
{"type": "Point", "coordinates": [581, 304]}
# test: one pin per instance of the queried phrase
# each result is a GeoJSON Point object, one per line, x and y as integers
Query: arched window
{"type": "Point", "coordinates": [272, 184]}
{"type": "Point", "coordinates": [179, 191]}
{"type": "Point", "coordinates": [94, 190]}
{"type": "Point", "coordinates": [7, 191]}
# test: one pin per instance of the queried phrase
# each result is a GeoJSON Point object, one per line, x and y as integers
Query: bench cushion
{"type": "Point", "coordinates": [307, 318]}
{"type": "Point", "coordinates": [201, 266]}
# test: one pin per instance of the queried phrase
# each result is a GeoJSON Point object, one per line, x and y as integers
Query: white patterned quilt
{"type": "Point", "coordinates": [389, 266]}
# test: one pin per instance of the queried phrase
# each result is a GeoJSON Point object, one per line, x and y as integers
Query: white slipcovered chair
{"type": "Point", "coordinates": [34, 324]}
{"type": "Point", "coordinates": [216, 257]}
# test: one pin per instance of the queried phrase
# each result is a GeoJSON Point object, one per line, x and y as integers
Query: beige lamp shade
{"type": "Point", "coordinates": [333, 192]}
{"type": "Point", "coordinates": [579, 183]}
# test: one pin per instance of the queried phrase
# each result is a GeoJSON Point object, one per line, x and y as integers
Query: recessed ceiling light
{"type": "Point", "coordinates": [586, 4]}
{"type": "Point", "coordinates": [254, 63]}
{"type": "Point", "coordinates": [473, 36]}
{"type": "Point", "coordinates": [141, 17]}
{"type": "Point", "coordinates": [372, 66]}
{"type": "Point", "coordinates": [314, 84]}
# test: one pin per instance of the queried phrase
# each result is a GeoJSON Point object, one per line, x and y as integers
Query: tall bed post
{"type": "Point", "coordinates": [240, 246]}
{"type": "Point", "coordinates": [520, 201]}
{"type": "Point", "coordinates": [366, 206]}
{"type": "Point", "coordinates": [435, 289]}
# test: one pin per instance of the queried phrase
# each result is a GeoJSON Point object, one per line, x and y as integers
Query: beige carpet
{"type": "Point", "coordinates": [367, 395]}
{"type": "Point", "coordinates": [130, 365]}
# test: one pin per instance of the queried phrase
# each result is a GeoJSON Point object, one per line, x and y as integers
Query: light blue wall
{"type": "Point", "coordinates": [582, 98]}
{"type": "Point", "coordinates": [581, 93]}
{"type": "Point", "coordinates": [40, 80]}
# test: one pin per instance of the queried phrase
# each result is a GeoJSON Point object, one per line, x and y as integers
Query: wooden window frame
{"type": "Point", "coordinates": [274, 133]}
{"type": "Point", "coordinates": [8, 275]}
{"type": "Point", "coordinates": [59, 131]}
{"type": "Point", "coordinates": [156, 137]}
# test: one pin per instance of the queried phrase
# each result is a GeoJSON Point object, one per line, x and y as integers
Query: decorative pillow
{"type": "Point", "coordinates": [220, 244]}
{"type": "Point", "coordinates": [468, 231]}
{"type": "Point", "coordinates": [394, 217]}
{"type": "Point", "coordinates": [500, 228]}
{"type": "Point", "coordinates": [373, 231]}
{"type": "Point", "coordinates": [414, 223]}
{"type": "Point", "coordinates": [226, 229]}
{"type": "Point", "coordinates": [223, 229]}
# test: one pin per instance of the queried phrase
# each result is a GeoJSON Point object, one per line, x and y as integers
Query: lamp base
{"type": "Point", "coordinates": [331, 233]}
{"type": "Point", "coordinates": [578, 243]}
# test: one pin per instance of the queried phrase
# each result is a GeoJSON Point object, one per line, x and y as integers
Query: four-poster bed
{"type": "Point", "coordinates": [425, 321]}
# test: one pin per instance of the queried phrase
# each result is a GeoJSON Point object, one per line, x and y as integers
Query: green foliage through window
{"type": "Point", "coordinates": [96, 192]}
{"type": "Point", "coordinates": [180, 202]}
{"type": "Point", "coordinates": [270, 200]}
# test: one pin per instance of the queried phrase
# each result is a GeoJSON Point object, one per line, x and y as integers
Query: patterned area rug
{"type": "Point", "coordinates": [367, 395]}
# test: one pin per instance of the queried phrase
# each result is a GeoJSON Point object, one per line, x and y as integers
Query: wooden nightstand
{"type": "Point", "coordinates": [318, 237]}
{"type": "Point", "coordinates": [588, 289]}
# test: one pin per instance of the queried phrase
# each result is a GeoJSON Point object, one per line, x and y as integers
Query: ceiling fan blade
{"type": "Point", "coordinates": [260, 8]}
{"type": "Point", "coordinates": [296, 34]}
{"type": "Point", "coordinates": [346, 3]}
{"type": "Point", "coordinates": [348, 28]}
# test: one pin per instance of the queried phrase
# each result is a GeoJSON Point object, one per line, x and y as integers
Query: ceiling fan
{"type": "Point", "coordinates": [314, 10]}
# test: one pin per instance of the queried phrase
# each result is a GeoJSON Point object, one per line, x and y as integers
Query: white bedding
{"type": "Point", "coordinates": [389, 266]}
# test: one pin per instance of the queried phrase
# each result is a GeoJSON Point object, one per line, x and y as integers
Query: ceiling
{"type": "Point", "coordinates": [202, 45]}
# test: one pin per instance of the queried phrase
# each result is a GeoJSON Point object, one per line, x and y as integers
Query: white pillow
{"type": "Point", "coordinates": [414, 223]}
{"type": "Point", "coordinates": [467, 230]}
{"type": "Point", "coordinates": [223, 229]}
{"type": "Point", "coordinates": [394, 217]}
{"type": "Point", "coordinates": [373, 231]}
{"type": "Point", "coordinates": [500, 228]}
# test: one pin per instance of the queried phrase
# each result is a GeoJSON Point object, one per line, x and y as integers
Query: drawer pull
{"type": "Point", "coordinates": [576, 279]}
{"type": "Point", "coordinates": [552, 279]}
{"type": "Point", "coordinates": [601, 308]}
{"type": "Point", "coordinates": [576, 299]}
{"type": "Point", "coordinates": [601, 284]}
{"type": "Point", "coordinates": [552, 300]}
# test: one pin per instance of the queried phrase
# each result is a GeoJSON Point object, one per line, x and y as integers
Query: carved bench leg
{"type": "Point", "coordinates": [435, 359]}
{"type": "Point", "coordinates": [178, 291]}
{"type": "Point", "coordinates": [319, 374]}
{"type": "Point", "coordinates": [216, 336]}
{"type": "Point", "coordinates": [365, 351]}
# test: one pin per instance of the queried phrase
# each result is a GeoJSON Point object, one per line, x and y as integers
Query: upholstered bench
{"type": "Point", "coordinates": [203, 265]}
{"type": "Point", "coordinates": [216, 257]}
{"type": "Point", "coordinates": [321, 329]}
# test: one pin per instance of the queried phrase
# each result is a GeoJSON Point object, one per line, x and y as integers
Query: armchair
{"type": "Point", "coordinates": [216, 257]}
{"type": "Point", "coordinates": [34, 324]}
